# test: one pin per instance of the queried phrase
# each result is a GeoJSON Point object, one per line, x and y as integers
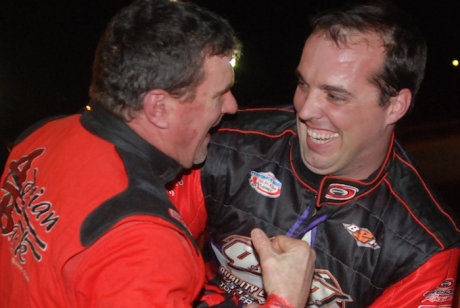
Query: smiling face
{"type": "Point", "coordinates": [342, 129]}
{"type": "Point", "coordinates": [193, 119]}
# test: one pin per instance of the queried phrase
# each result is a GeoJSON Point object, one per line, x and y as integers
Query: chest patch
{"type": "Point", "coordinates": [265, 183]}
{"type": "Point", "coordinates": [363, 237]}
{"type": "Point", "coordinates": [341, 192]}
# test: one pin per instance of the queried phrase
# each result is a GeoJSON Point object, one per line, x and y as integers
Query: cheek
{"type": "Point", "coordinates": [345, 118]}
{"type": "Point", "coordinates": [298, 99]}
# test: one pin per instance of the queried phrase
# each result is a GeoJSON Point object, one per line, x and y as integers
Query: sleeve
{"type": "Point", "coordinates": [137, 264]}
{"type": "Point", "coordinates": [431, 285]}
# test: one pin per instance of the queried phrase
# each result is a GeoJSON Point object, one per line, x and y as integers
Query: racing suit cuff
{"type": "Point", "coordinates": [276, 301]}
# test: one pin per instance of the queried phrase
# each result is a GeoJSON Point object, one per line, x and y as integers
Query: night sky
{"type": "Point", "coordinates": [47, 47]}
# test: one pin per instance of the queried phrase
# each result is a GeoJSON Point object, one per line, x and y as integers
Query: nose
{"type": "Point", "coordinates": [307, 104]}
{"type": "Point", "coordinates": [230, 105]}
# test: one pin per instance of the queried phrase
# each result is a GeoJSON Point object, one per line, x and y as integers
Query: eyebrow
{"type": "Point", "coordinates": [220, 93]}
{"type": "Point", "coordinates": [299, 76]}
{"type": "Point", "coordinates": [326, 87]}
{"type": "Point", "coordinates": [336, 89]}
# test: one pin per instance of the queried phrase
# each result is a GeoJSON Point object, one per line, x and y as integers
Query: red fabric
{"type": "Point", "coordinates": [187, 196]}
{"type": "Point", "coordinates": [64, 173]}
{"type": "Point", "coordinates": [160, 268]}
{"type": "Point", "coordinates": [431, 285]}
{"type": "Point", "coordinates": [276, 301]}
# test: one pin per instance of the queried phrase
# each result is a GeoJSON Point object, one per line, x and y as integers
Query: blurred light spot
{"type": "Point", "coordinates": [233, 62]}
{"type": "Point", "coordinates": [455, 62]}
{"type": "Point", "coordinates": [88, 107]}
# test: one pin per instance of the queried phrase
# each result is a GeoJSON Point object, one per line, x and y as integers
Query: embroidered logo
{"type": "Point", "coordinates": [240, 274]}
{"type": "Point", "coordinates": [343, 192]}
{"type": "Point", "coordinates": [26, 216]}
{"type": "Point", "coordinates": [174, 214]}
{"type": "Point", "coordinates": [444, 292]}
{"type": "Point", "coordinates": [240, 254]}
{"type": "Point", "coordinates": [363, 236]}
{"type": "Point", "coordinates": [172, 191]}
{"type": "Point", "coordinates": [266, 184]}
{"type": "Point", "coordinates": [240, 270]}
{"type": "Point", "coordinates": [326, 291]}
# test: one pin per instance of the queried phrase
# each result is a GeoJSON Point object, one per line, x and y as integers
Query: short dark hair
{"type": "Point", "coordinates": [156, 44]}
{"type": "Point", "coordinates": [404, 64]}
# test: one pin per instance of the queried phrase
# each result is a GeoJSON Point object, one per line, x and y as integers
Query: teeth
{"type": "Point", "coordinates": [321, 138]}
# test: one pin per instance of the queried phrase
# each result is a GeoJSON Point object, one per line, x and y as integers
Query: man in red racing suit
{"type": "Point", "coordinates": [84, 214]}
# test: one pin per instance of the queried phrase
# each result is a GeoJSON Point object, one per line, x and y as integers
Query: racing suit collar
{"type": "Point", "coordinates": [105, 125]}
{"type": "Point", "coordinates": [338, 190]}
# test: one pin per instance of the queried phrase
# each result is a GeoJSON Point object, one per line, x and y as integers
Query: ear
{"type": "Point", "coordinates": [155, 107]}
{"type": "Point", "coordinates": [399, 105]}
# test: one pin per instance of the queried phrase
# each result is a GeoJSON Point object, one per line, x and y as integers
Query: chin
{"type": "Point", "coordinates": [200, 160]}
{"type": "Point", "coordinates": [317, 168]}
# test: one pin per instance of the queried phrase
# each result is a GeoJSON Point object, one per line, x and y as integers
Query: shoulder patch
{"type": "Point", "coordinates": [443, 293]}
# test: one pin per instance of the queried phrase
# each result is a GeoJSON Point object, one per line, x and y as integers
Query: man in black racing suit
{"type": "Point", "coordinates": [385, 239]}
{"type": "Point", "coordinates": [330, 172]}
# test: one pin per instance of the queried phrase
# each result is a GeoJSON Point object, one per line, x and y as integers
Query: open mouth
{"type": "Point", "coordinates": [321, 138]}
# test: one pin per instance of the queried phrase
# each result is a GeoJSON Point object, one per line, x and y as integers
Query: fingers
{"type": "Point", "coordinates": [287, 266]}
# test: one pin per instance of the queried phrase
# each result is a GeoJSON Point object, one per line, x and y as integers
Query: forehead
{"type": "Point", "coordinates": [218, 77]}
{"type": "Point", "coordinates": [362, 54]}
{"type": "Point", "coordinates": [218, 72]}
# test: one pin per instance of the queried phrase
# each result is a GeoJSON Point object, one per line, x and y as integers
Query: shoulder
{"type": "Point", "coordinates": [255, 131]}
{"type": "Point", "coordinates": [38, 125]}
{"type": "Point", "coordinates": [271, 121]}
{"type": "Point", "coordinates": [422, 202]}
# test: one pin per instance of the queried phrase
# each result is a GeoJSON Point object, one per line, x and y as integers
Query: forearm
{"type": "Point", "coordinates": [431, 284]}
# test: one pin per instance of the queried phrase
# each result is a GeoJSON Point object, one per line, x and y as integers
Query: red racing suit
{"type": "Point", "coordinates": [86, 220]}
{"type": "Point", "coordinates": [386, 241]}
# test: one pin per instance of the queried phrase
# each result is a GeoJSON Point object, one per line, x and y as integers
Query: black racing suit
{"type": "Point", "coordinates": [386, 240]}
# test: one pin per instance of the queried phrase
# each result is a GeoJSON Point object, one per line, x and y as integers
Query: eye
{"type": "Point", "coordinates": [302, 85]}
{"type": "Point", "coordinates": [335, 98]}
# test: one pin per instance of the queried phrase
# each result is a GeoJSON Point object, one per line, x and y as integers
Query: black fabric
{"type": "Point", "coordinates": [400, 225]}
{"type": "Point", "coordinates": [148, 171]}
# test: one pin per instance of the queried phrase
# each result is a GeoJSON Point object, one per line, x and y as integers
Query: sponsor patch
{"type": "Point", "coordinates": [240, 254]}
{"type": "Point", "coordinates": [174, 214]}
{"type": "Point", "coordinates": [444, 292]}
{"type": "Point", "coordinates": [240, 270]}
{"type": "Point", "coordinates": [265, 183]}
{"type": "Point", "coordinates": [337, 191]}
{"type": "Point", "coordinates": [26, 214]}
{"type": "Point", "coordinates": [171, 191]}
{"type": "Point", "coordinates": [241, 276]}
{"type": "Point", "coordinates": [363, 236]}
{"type": "Point", "coordinates": [326, 291]}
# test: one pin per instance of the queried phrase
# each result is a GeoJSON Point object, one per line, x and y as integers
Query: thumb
{"type": "Point", "coordinates": [260, 241]}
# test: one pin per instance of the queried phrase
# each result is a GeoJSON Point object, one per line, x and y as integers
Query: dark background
{"type": "Point", "coordinates": [47, 46]}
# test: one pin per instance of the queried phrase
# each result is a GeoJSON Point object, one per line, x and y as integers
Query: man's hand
{"type": "Point", "coordinates": [287, 266]}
